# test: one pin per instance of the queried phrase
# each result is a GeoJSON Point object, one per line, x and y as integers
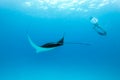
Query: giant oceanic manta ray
{"type": "Point", "coordinates": [47, 46]}
{"type": "Point", "coordinates": [51, 45]}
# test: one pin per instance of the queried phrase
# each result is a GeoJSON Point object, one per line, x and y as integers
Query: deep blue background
{"type": "Point", "coordinates": [19, 61]}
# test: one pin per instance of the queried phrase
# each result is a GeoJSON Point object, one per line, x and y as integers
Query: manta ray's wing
{"type": "Point", "coordinates": [36, 47]}
{"type": "Point", "coordinates": [61, 41]}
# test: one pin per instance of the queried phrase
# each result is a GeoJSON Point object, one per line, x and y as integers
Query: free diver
{"type": "Point", "coordinates": [97, 27]}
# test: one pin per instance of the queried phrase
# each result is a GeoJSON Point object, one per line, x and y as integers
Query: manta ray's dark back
{"type": "Point", "coordinates": [56, 44]}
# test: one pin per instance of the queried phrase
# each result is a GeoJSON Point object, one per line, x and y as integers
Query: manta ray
{"type": "Point", "coordinates": [47, 46]}
{"type": "Point", "coordinates": [50, 45]}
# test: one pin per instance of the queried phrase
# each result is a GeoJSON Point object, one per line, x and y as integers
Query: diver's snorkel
{"type": "Point", "coordinates": [97, 27]}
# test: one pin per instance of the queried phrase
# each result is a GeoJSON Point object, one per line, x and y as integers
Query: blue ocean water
{"type": "Point", "coordinates": [19, 60]}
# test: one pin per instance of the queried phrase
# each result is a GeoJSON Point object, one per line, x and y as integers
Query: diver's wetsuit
{"type": "Point", "coordinates": [99, 30]}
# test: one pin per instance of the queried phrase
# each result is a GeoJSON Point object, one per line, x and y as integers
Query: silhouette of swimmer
{"type": "Point", "coordinates": [54, 44]}
{"type": "Point", "coordinates": [97, 27]}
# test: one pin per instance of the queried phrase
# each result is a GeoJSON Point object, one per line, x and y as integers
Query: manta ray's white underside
{"type": "Point", "coordinates": [36, 47]}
